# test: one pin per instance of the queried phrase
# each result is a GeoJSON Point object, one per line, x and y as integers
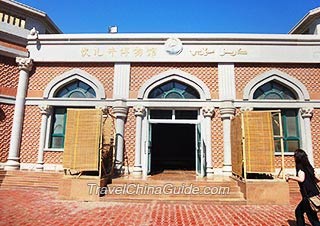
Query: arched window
{"type": "Point", "coordinates": [273, 90]}
{"type": "Point", "coordinates": [291, 134]}
{"type": "Point", "coordinates": [75, 89]}
{"type": "Point", "coordinates": [174, 90]}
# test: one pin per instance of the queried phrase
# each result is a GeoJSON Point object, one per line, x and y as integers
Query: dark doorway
{"type": "Point", "coordinates": [173, 147]}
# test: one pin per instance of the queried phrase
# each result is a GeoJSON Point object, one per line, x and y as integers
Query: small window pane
{"type": "Point", "coordinates": [273, 96]}
{"type": "Point", "coordinates": [292, 145]}
{"type": "Point", "coordinates": [91, 92]}
{"type": "Point", "coordinates": [277, 145]}
{"type": "Point", "coordinates": [58, 128]}
{"type": "Point", "coordinates": [168, 86]}
{"type": "Point", "coordinates": [180, 86]}
{"type": "Point", "coordinates": [266, 87]}
{"type": "Point", "coordinates": [173, 95]}
{"type": "Point", "coordinates": [57, 142]}
{"type": "Point", "coordinates": [82, 85]}
{"type": "Point", "coordinates": [160, 114]}
{"type": "Point", "coordinates": [276, 125]}
{"type": "Point", "coordinates": [77, 94]}
{"type": "Point", "coordinates": [58, 123]}
{"type": "Point", "coordinates": [184, 114]}
{"type": "Point", "coordinates": [291, 123]}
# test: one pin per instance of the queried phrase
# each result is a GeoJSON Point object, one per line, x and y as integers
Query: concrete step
{"type": "Point", "coordinates": [30, 179]}
{"type": "Point", "coordinates": [219, 190]}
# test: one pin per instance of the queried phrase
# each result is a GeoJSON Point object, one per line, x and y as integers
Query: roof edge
{"type": "Point", "coordinates": [38, 12]}
{"type": "Point", "coordinates": [305, 21]}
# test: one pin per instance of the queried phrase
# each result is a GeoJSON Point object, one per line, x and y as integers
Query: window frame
{"type": "Point", "coordinates": [280, 93]}
{"type": "Point", "coordinates": [175, 89]}
{"type": "Point", "coordinates": [286, 137]}
{"type": "Point", "coordinates": [51, 134]}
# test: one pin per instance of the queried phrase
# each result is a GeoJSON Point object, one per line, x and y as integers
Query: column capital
{"type": "Point", "coordinates": [45, 109]}
{"type": "Point", "coordinates": [208, 111]}
{"type": "Point", "coordinates": [227, 109]}
{"type": "Point", "coordinates": [24, 63]}
{"type": "Point", "coordinates": [120, 108]}
{"type": "Point", "coordinates": [306, 112]}
{"type": "Point", "coordinates": [139, 110]}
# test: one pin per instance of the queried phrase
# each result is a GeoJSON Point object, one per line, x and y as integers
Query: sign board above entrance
{"type": "Point", "coordinates": [186, 48]}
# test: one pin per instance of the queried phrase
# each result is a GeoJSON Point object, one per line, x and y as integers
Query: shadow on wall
{"type": "Point", "coordinates": [2, 115]}
{"type": "Point", "coordinates": [293, 223]}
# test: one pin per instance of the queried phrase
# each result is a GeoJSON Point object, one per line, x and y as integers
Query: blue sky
{"type": "Point", "coordinates": [178, 16]}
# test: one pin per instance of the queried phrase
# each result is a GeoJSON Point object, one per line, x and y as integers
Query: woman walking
{"type": "Point", "coordinates": [307, 180]}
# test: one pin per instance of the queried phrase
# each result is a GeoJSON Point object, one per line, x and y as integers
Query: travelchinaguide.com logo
{"type": "Point", "coordinates": [165, 189]}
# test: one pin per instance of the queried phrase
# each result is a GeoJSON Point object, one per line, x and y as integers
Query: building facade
{"type": "Point", "coordinates": [16, 22]}
{"type": "Point", "coordinates": [173, 95]}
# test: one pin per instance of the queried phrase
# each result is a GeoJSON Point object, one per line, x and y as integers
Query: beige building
{"type": "Point", "coordinates": [173, 95]}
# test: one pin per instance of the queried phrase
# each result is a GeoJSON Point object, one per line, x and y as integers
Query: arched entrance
{"type": "Point", "coordinates": [173, 121]}
{"type": "Point", "coordinates": [173, 140]}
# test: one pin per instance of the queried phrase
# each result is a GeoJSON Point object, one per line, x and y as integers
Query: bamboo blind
{"type": "Point", "coordinates": [236, 145]}
{"type": "Point", "coordinates": [82, 139]}
{"type": "Point", "coordinates": [258, 142]}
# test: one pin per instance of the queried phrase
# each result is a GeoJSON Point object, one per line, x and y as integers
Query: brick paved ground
{"type": "Point", "coordinates": [39, 207]}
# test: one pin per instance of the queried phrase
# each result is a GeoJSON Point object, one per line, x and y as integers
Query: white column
{"type": "Point", "coordinates": [208, 112]}
{"type": "Point", "coordinates": [139, 112]}
{"type": "Point", "coordinates": [306, 114]}
{"type": "Point", "coordinates": [25, 66]}
{"type": "Point", "coordinates": [120, 110]}
{"type": "Point", "coordinates": [227, 112]}
{"type": "Point", "coordinates": [45, 111]}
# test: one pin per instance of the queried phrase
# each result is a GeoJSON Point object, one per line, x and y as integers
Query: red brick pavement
{"type": "Point", "coordinates": [39, 207]}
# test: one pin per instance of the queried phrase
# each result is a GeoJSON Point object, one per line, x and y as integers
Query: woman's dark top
{"type": "Point", "coordinates": [308, 187]}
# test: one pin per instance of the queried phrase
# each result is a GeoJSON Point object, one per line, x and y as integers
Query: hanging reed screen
{"type": "Point", "coordinates": [258, 142]}
{"type": "Point", "coordinates": [82, 139]}
{"type": "Point", "coordinates": [236, 146]}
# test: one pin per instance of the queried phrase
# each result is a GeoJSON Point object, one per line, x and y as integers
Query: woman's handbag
{"type": "Point", "coordinates": [315, 201]}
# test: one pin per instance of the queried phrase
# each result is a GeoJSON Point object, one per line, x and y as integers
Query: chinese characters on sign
{"type": "Point", "coordinates": [118, 52]}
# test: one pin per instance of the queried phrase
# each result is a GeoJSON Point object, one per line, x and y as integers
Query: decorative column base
{"type": "Point", "coordinates": [137, 171]}
{"type": "Point", "coordinates": [119, 170]}
{"type": "Point", "coordinates": [210, 173]}
{"type": "Point", "coordinates": [39, 167]}
{"type": "Point", "coordinates": [227, 170]}
{"type": "Point", "coordinates": [12, 164]}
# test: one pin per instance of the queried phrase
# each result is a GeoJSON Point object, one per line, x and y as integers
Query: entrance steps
{"type": "Point", "coordinates": [175, 186]}
{"type": "Point", "coordinates": [20, 179]}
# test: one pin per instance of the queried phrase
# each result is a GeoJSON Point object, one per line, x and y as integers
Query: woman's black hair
{"type": "Point", "coordinates": [302, 162]}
